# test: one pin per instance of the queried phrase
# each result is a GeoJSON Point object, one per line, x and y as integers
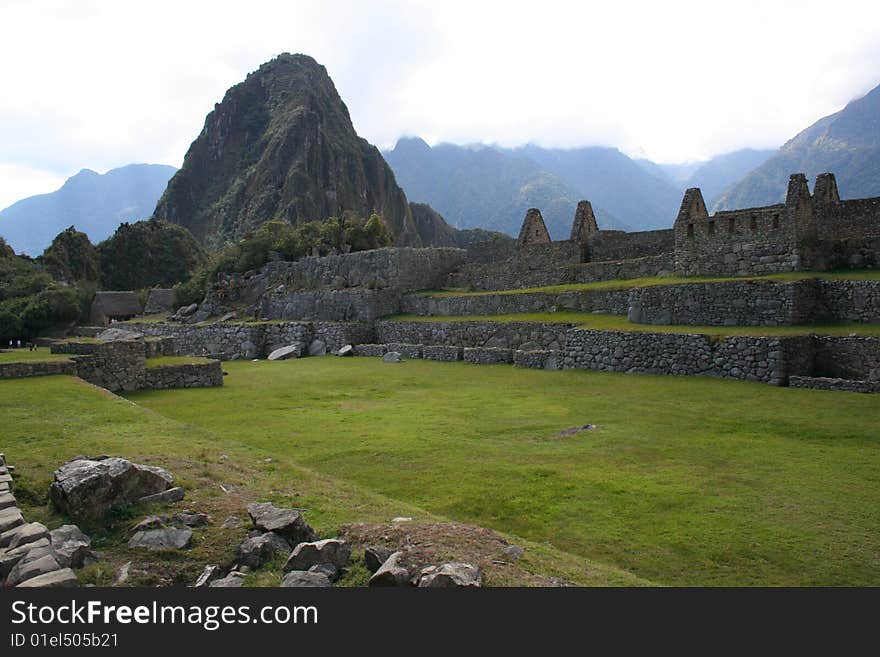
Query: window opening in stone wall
{"type": "Point", "coordinates": [753, 224]}
{"type": "Point", "coordinates": [731, 225]}
{"type": "Point", "coordinates": [775, 221]}
{"type": "Point", "coordinates": [690, 230]}
{"type": "Point", "coordinates": [711, 227]}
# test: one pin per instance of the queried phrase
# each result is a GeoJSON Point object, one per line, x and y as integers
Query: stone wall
{"type": "Point", "coordinates": [230, 340]}
{"type": "Point", "coordinates": [850, 300]}
{"type": "Point", "coordinates": [347, 305]}
{"type": "Point", "coordinates": [605, 301]}
{"type": "Point", "coordinates": [730, 303]}
{"type": "Point", "coordinates": [194, 375]}
{"type": "Point", "coordinates": [852, 357]}
{"type": "Point", "coordinates": [507, 335]}
{"type": "Point", "coordinates": [648, 266]}
{"type": "Point", "coordinates": [36, 368]}
{"type": "Point", "coordinates": [767, 359]}
{"type": "Point", "coordinates": [620, 245]}
{"type": "Point", "coordinates": [116, 366]}
{"type": "Point", "coordinates": [838, 385]}
{"type": "Point", "coordinates": [403, 269]}
{"type": "Point", "coordinates": [855, 218]}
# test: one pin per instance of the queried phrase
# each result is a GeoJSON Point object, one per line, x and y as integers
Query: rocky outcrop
{"type": "Point", "coordinates": [281, 145]}
{"type": "Point", "coordinates": [288, 523]}
{"type": "Point", "coordinates": [88, 488]}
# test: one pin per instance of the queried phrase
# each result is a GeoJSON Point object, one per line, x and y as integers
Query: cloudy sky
{"type": "Point", "coordinates": [101, 83]}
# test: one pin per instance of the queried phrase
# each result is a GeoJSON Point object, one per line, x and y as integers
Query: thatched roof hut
{"type": "Point", "coordinates": [110, 306]}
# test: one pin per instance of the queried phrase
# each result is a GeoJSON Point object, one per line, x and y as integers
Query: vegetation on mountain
{"type": "Point", "coordinates": [146, 254]}
{"type": "Point", "coordinates": [281, 145]}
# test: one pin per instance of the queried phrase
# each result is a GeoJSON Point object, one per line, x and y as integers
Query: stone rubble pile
{"type": "Point", "coordinates": [31, 556]}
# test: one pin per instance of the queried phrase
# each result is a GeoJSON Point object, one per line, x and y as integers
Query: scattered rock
{"type": "Point", "coordinates": [515, 552]}
{"type": "Point", "coordinates": [8, 558]}
{"type": "Point", "coordinates": [401, 519]}
{"type": "Point", "coordinates": [287, 522]}
{"type": "Point", "coordinates": [209, 574]}
{"type": "Point", "coordinates": [58, 578]}
{"type": "Point", "coordinates": [290, 351]}
{"type": "Point", "coordinates": [317, 348]}
{"type": "Point", "coordinates": [113, 334]}
{"type": "Point", "coordinates": [375, 556]}
{"type": "Point", "coordinates": [328, 569]}
{"type": "Point", "coordinates": [347, 350]}
{"type": "Point", "coordinates": [122, 574]}
{"type": "Point", "coordinates": [231, 521]}
{"type": "Point", "coordinates": [161, 539]}
{"type": "Point", "coordinates": [391, 573]}
{"type": "Point", "coordinates": [254, 552]}
{"type": "Point", "coordinates": [233, 580]}
{"type": "Point", "coordinates": [88, 488]}
{"type": "Point", "coordinates": [10, 517]}
{"type": "Point", "coordinates": [72, 547]}
{"type": "Point", "coordinates": [190, 519]}
{"type": "Point", "coordinates": [165, 497]}
{"type": "Point", "coordinates": [451, 575]}
{"type": "Point", "coordinates": [392, 357]}
{"type": "Point", "coordinates": [29, 568]}
{"type": "Point", "coordinates": [299, 578]}
{"type": "Point", "coordinates": [306, 555]}
{"type": "Point", "coordinates": [150, 522]}
{"type": "Point", "coordinates": [7, 500]}
{"type": "Point", "coordinates": [186, 311]}
{"type": "Point", "coordinates": [23, 534]}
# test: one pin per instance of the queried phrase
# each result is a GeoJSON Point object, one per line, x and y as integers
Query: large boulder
{"type": "Point", "coordinates": [391, 573]}
{"type": "Point", "coordinates": [28, 568]}
{"type": "Point", "coordinates": [30, 532]}
{"type": "Point", "coordinates": [330, 551]}
{"type": "Point", "coordinates": [287, 522]}
{"type": "Point", "coordinates": [55, 579]}
{"type": "Point", "coordinates": [113, 334]}
{"type": "Point", "coordinates": [10, 517]}
{"type": "Point", "coordinates": [290, 351]}
{"type": "Point", "coordinates": [88, 488]}
{"type": "Point", "coordinates": [72, 547]}
{"type": "Point", "coordinates": [317, 348]}
{"type": "Point", "coordinates": [392, 357]}
{"type": "Point", "coordinates": [253, 552]}
{"type": "Point", "coordinates": [299, 578]}
{"type": "Point", "coordinates": [375, 556]}
{"type": "Point", "coordinates": [451, 575]}
{"type": "Point", "coordinates": [161, 539]}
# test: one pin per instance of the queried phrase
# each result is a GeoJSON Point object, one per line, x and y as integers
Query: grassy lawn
{"type": "Point", "coordinates": [602, 321]}
{"type": "Point", "coordinates": [685, 480]}
{"type": "Point", "coordinates": [48, 420]}
{"type": "Point", "coordinates": [617, 284]}
{"type": "Point", "coordinates": [23, 355]}
{"type": "Point", "coordinates": [170, 361]}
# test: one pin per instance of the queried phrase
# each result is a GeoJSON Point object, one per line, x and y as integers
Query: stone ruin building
{"type": "Point", "coordinates": [318, 305]}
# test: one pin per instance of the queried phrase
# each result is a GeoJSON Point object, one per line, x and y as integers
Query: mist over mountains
{"type": "Point", "coordinates": [846, 143]}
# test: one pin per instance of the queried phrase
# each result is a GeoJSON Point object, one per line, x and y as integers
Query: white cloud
{"type": "Point", "coordinates": [99, 83]}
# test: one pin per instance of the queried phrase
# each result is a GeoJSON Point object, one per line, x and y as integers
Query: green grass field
{"type": "Point", "coordinates": [627, 284]}
{"type": "Point", "coordinates": [686, 481]}
{"type": "Point", "coordinates": [24, 355]}
{"type": "Point", "coordinates": [602, 321]}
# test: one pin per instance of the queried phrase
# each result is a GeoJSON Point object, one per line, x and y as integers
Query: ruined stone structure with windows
{"type": "Point", "coordinates": [322, 304]}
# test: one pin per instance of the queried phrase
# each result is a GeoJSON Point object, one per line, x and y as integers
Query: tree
{"type": "Point", "coordinates": [71, 257]}
{"type": "Point", "coordinates": [146, 254]}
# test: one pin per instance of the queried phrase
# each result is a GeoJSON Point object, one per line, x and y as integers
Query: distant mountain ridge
{"type": "Point", "coordinates": [479, 186]}
{"type": "Point", "coordinates": [846, 143]}
{"type": "Point", "coordinates": [95, 203]}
